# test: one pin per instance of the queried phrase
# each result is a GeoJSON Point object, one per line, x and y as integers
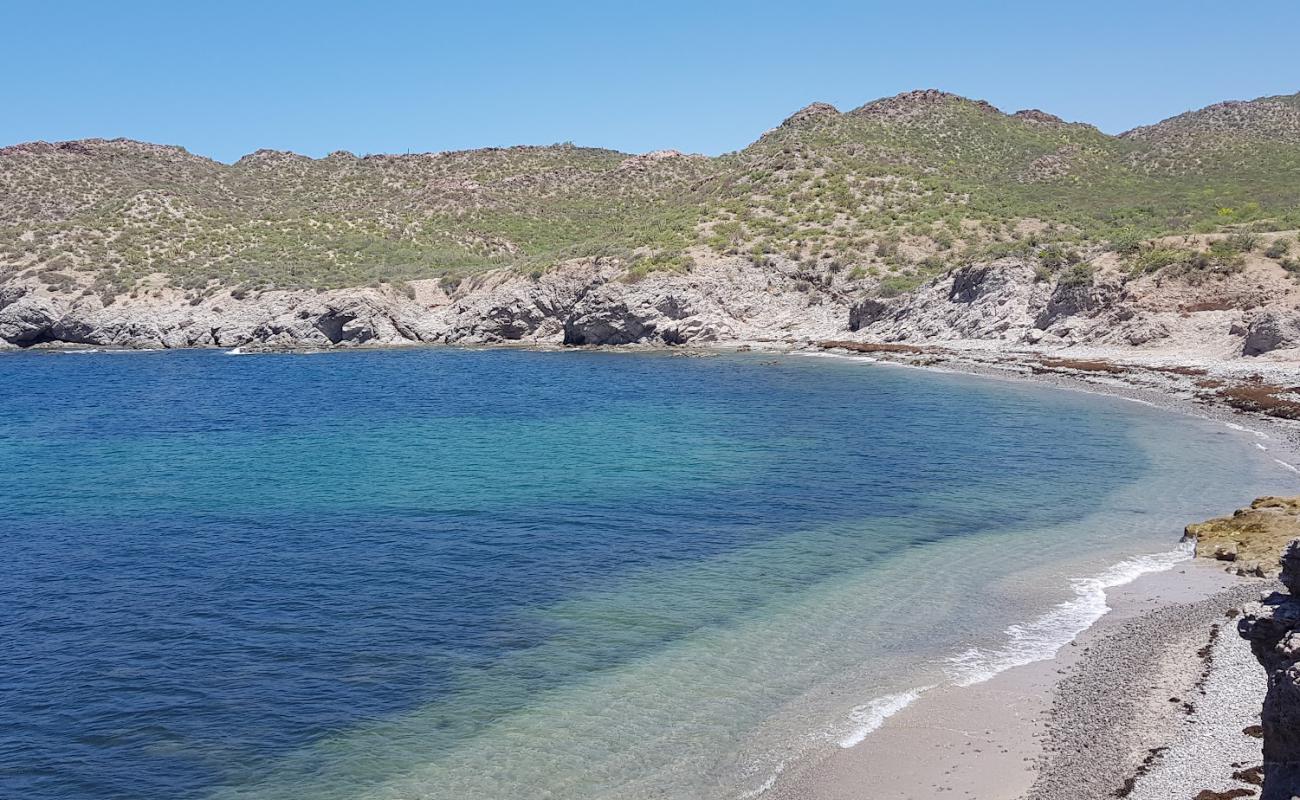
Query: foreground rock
{"type": "Point", "coordinates": [1253, 538]}
{"type": "Point", "coordinates": [1273, 628]}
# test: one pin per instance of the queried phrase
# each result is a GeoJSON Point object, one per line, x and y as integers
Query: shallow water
{"type": "Point", "coordinates": [494, 574]}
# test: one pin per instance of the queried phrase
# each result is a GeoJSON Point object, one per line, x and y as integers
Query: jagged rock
{"type": "Point", "coordinates": [605, 318]}
{"type": "Point", "coordinates": [969, 283]}
{"type": "Point", "coordinates": [1039, 117]}
{"type": "Point", "coordinates": [997, 300]}
{"type": "Point", "coordinates": [28, 318]}
{"type": "Point", "coordinates": [1069, 300]}
{"type": "Point", "coordinates": [1271, 330]}
{"type": "Point", "coordinates": [868, 312]}
{"type": "Point", "coordinates": [1272, 626]}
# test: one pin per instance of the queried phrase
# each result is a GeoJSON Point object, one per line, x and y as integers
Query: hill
{"type": "Point", "coordinates": [874, 202]}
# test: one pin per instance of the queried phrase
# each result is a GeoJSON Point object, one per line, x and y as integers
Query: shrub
{"type": "Point", "coordinates": [1078, 275]}
{"type": "Point", "coordinates": [1226, 254]}
{"type": "Point", "coordinates": [1126, 242]}
{"type": "Point", "coordinates": [1054, 256]}
{"type": "Point", "coordinates": [1240, 242]}
{"type": "Point", "coordinates": [894, 285]}
{"type": "Point", "coordinates": [1278, 249]}
{"type": "Point", "coordinates": [1157, 258]}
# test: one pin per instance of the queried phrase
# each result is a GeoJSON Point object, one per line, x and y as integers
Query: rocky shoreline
{"type": "Point", "coordinates": [1002, 304]}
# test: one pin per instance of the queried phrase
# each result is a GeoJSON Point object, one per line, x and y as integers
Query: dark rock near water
{"type": "Point", "coordinates": [1272, 626]}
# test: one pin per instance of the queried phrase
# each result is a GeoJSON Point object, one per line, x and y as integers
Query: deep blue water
{"type": "Point", "coordinates": [214, 562]}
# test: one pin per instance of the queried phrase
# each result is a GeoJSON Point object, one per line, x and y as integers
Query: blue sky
{"type": "Point", "coordinates": [223, 79]}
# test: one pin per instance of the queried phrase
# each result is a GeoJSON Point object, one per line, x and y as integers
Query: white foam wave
{"type": "Point", "coordinates": [1291, 467]}
{"type": "Point", "coordinates": [1244, 429]}
{"type": "Point", "coordinates": [1042, 638]}
{"type": "Point", "coordinates": [845, 356]}
{"type": "Point", "coordinates": [767, 784]}
{"type": "Point", "coordinates": [867, 718]}
{"type": "Point", "coordinates": [236, 351]}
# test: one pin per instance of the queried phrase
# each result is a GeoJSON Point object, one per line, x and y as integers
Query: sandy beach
{"type": "Point", "coordinates": [1150, 702]}
{"type": "Point", "coordinates": [1078, 725]}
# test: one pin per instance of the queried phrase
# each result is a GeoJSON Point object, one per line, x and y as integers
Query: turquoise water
{"type": "Point", "coordinates": [499, 574]}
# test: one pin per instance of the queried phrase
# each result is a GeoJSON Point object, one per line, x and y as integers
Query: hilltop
{"type": "Point", "coordinates": [847, 208]}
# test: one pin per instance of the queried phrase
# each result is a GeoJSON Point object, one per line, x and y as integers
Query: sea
{"type": "Point", "coordinates": [462, 574]}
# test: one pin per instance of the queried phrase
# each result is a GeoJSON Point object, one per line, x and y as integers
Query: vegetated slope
{"type": "Point", "coordinates": [124, 210]}
{"type": "Point", "coordinates": [890, 193]}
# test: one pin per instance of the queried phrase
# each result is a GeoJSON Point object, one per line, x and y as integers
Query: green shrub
{"type": "Point", "coordinates": [1278, 249]}
{"type": "Point", "coordinates": [1157, 258]}
{"type": "Point", "coordinates": [895, 285]}
{"type": "Point", "coordinates": [1126, 242]}
{"type": "Point", "coordinates": [1226, 254]}
{"type": "Point", "coordinates": [1078, 275]}
{"type": "Point", "coordinates": [1240, 242]}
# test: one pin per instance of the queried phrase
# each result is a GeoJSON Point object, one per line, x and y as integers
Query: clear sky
{"type": "Point", "coordinates": [225, 78]}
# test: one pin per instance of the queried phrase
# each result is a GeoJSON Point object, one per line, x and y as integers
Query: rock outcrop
{"type": "Point", "coordinates": [599, 301]}
{"type": "Point", "coordinates": [1252, 538]}
{"type": "Point", "coordinates": [1272, 627]}
{"type": "Point", "coordinates": [996, 301]}
{"type": "Point", "coordinates": [1271, 330]}
{"type": "Point", "coordinates": [584, 302]}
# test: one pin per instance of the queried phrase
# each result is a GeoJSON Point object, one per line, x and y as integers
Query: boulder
{"type": "Point", "coordinates": [28, 318]}
{"type": "Point", "coordinates": [1271, 330]}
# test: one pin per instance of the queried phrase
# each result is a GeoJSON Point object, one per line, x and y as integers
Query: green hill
{"type": "Point", "coordinates": [899, 188]}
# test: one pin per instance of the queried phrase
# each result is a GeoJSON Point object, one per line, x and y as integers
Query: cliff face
{"type": "Point", "coordinates": [1273, 628]}
{"type": "Point", "coordinates": [586, 302]}
{"type": "Point", "coordinates": [599, 301]}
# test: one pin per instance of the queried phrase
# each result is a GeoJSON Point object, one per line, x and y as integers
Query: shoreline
{"type": "Point", "coordinates": [1000, 739]}
{"type": "Point", "coordinates": [1016, 736]}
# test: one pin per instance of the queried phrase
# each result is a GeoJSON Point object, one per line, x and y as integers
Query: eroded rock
{"type": "Point", "coordinates": [1272, 626]}
{"type": "Point", "coordinates": [1271, 330]}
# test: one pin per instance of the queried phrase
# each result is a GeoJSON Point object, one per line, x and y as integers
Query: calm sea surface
{"type": "Point", "coordinates": [476, 575]}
